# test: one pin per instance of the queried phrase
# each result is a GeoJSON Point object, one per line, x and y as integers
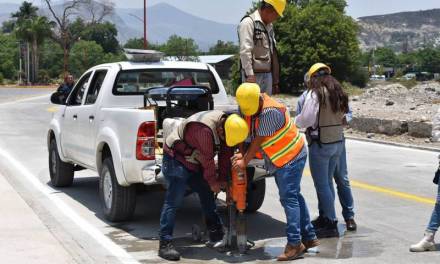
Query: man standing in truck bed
{"type": "Point", "coordinates": [258, 53]}
{"type": "Point", "coordinates": [189, 153]}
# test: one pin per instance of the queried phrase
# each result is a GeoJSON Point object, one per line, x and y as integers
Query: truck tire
{"type": "Point", "coordinates": [118, 202]}
{"type": "Point", "coordinates": [61, 173]}
{"type": "Point", "coordinates": [255, 195]}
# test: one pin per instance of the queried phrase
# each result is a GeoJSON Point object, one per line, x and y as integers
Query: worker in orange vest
{"type": "Point", "coordinates": [276, 137]}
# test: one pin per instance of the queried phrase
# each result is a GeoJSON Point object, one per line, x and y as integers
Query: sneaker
{"type": "Point", "coordinates": [292, 252]}
{"type": "Point", "coordinates": [168, 252]}
{"type": "Point", "coordinates": [426, 244]}
{"type": "Point", "coordinates": [311, 243]}
{"type": "Point", "coordinates": [319, 222]}
{"type": "Point", "coordinates": [351, 225]}
{"type": "Point", "coordinates": [329, 230]}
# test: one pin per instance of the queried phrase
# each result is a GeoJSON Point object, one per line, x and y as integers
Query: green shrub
{"type": "Point", "coordinates": [2, 80]}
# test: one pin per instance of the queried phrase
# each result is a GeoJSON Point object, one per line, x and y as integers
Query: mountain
{"type": "Point", "coordinates": [163, 20]}
{"type": "Point", "coordinates": [401, 31]}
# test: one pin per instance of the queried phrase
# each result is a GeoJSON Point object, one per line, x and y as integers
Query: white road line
{"type": "Point", "coordinates": [25, 100]}
{"type": "Point", "coordinates": [106, 242]}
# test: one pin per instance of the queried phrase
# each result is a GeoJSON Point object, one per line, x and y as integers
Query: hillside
{"type": "Point", "coordinates": [401, 31]}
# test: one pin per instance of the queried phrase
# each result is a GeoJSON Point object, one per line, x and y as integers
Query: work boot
{"type": "Point", "coordinates": [426, 244]}
{"type": "Point", "coordinates": [292, 252]}
{"type": "Point", "coordinates": [311, 243]}
{"type": "Point", "coordinates": [167, 251]}
{"type": "Point", "coordinates": [319, 222]}
{"type": "Point", "coordinates": [351, 224]}
{"type": "Point", "coordinates": [216, 235]}
{"type": "Point", "coordinates": [329, 230]}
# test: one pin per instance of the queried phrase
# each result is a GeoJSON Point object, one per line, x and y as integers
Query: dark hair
{"type": "Point", "coordinates": [338, 98]}
{"type": "Point", "coordinates": [264, 5]}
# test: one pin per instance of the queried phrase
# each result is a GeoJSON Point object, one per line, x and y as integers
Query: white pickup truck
{"type": "Point", "coordinates": [111, 122]}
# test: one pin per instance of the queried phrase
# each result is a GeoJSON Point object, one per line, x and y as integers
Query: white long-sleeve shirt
{"type": "Point", "coordinates": [309, 114]}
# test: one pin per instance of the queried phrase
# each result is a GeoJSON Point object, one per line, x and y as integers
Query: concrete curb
{"type": "Point", "coordinates": [383, 142]}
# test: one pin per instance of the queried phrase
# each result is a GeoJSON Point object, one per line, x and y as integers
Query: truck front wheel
{"type": "Point", "coordinates": [61, 173]}
{"type": "Point", "coordinates": [255, 195]}
{"type": "Point", "coordinates": [118, 202]}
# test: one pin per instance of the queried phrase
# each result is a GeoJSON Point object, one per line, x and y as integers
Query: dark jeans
{"type": "Point", "coordinates": [178, 178]}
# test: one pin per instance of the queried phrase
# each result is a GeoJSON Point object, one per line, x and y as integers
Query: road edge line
{"type": "Point", "coordinates": [113, 249]}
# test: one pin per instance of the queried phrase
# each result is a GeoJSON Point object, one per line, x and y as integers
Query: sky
{"type": "Point", "coordinates": [231, 11]}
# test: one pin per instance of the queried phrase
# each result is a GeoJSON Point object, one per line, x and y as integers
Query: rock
{"type": "Point", "coordinates": [423, 119]}
{"type": "Point", "coordinates": [427, 140]}
{"type": "Point", "coordinates": [355, 98]}
{"type": "Point", "coordinates": [412, 108]}
{"type": "Point", "coordinates": [370, 135]}
{"type": "Point", "coordinates": [389, 102]}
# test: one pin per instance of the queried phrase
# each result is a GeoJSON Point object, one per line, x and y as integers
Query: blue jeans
{"type": "Point", "coordinates": [434, 223]}
{"type": "Point", "coordinates": [288, 180]}
{"type": "Point", "coordinates": [264, 80]}
{"type": "Point", "coordinates": [343, 185]}
{"type": "Point", "coordinates": [178, 177]}
{"type": "Point", "coordinates": [324, 159]}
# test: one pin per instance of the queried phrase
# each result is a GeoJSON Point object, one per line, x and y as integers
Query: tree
{"type": "Point", "coordinates": [8, 56]}
{"type": "Point", "coordinates": [223, 48]}
{"type": "Point", "coordinates": [385, 57]}
{"type": "Point", "coordinates": [181, 48]}
{"type": "Point", "coordinates": [103, 34]}
{"type": "Point", "coordinates": [64, 34]}
{"type": "Point", "coordinates": [429, 59]}
{"type": "Point", "coordinates": [84, 55]}
{"type": "Point", "coordinates": [316, 33]}
{"type": "Point", "coordinates": [138, 43]}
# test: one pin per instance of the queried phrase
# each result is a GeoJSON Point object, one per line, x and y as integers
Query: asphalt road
{"type": "Point", "coordinates": [392, 187]}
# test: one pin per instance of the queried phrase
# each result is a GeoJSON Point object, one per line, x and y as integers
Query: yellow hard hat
{"type": "Point", "coordinates": [236, 130]}
{"type": "Point", "coordinates": [278, 5]}
{"type": "Point", "coordinates": [248, 98]}
{"type": "Point", "coordinates": [316, 67]}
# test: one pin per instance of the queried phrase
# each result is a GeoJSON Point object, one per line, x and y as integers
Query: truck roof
{"type": "Point", "coordinates": [128, 65]}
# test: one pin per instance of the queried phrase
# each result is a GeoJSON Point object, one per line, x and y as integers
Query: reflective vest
{"type": "Point", "coordinates": [286, 143]}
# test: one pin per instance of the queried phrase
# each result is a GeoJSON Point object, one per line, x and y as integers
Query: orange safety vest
{"type": "Point", "coordinates": [286, 143]}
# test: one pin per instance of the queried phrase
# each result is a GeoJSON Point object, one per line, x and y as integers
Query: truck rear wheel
{"type": "Point", "coordinates": [255, 195]}
{"type": "Point", "coordinates": [118, 202]}
{"type": "Point", "coordinates": [61, 173]}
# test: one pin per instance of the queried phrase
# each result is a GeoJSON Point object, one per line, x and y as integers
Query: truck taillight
{"type": "Point", "coordinates": [146, 141]}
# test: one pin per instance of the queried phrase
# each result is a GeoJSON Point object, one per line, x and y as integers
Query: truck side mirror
{"type": "Point", "coordinates": [58, 98]}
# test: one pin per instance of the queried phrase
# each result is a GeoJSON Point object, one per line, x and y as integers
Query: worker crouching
{"type": "Point", "coordinates": [188, 161]}
{"type": "Point", "coordinates": [282, 146]}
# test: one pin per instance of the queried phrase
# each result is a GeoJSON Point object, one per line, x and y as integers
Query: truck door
{"type": "Point", "coordinates": [88, 120]}
{"type": "Point", "coordinates": [70, 130]}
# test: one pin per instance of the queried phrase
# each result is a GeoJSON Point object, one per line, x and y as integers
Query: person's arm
{"type": "Point", "coordinates": [224, 163]}
{"type": "Point", "coordinates": [309, 114]}
{"type": "Point", "coordinates": [300, 103]}
{"type": "Point", "coordinates": [246, 37]}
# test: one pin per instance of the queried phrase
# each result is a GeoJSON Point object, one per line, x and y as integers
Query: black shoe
{"type": "Point", "coordinates": [167, 251]}
{"type": "Point", "coordinates": [319, 222]}
{"type": "Point", "coordinates": [216, 235]}
{"type": "Point", "coordinates": [329, 230]}
{"type": "Point", "coordinates": [351, 224]}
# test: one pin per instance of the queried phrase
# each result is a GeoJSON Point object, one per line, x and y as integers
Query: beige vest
{"type": "Point", "coordinates": [208, 118]}
{"type": "Point", "coordinates": [263, 45]}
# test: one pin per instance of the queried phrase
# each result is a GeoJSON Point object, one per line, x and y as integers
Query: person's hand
{"type": "Point", "coordinates": [237, 156]}
{"type": "Point", "coordinates": [216, 187]}
{"type": "Point", "coordinates": [251, 79]}
{"type": "Point", "coordinates": [239, 165]}
{"type": "Point", "coordinates": [193, 158]}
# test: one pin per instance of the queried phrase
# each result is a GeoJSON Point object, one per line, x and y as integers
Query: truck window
{"type": "Point", "coordinates": [137, 82]}
{"type": "Point", "coordinates": [77, 94]}
{"type": "Point", "coordinates": [95, 86]}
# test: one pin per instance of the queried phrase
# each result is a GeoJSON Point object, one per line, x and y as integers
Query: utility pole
{"type": "Point", "coordinates": [145, 24]}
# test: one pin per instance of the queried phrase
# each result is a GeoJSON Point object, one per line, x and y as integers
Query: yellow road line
{"type": "Point", "coordinates": [387, 191]}
{"type": "Point", "coordinates": [52, 109]}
